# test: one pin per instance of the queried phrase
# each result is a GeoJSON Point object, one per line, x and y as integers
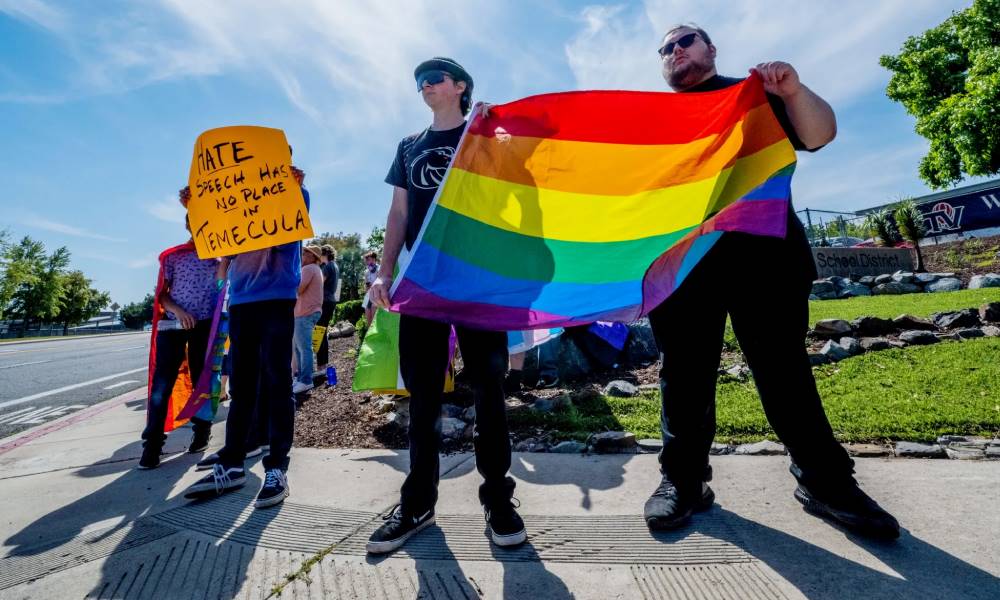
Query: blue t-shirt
{"type": "Point", "coordinates": [268, 274]}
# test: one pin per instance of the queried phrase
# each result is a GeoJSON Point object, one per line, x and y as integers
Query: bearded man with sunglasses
{"type": "Point", "coordinates": [419, 168]}
{"type": "Point", "coordinates": [771, 328]}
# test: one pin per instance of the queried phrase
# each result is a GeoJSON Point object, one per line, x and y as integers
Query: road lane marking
{"type": "Point", "coordinates": [16, 414]}
{"type": "Point", "coordinates": [121, 383]}
{"type": "Point", "coordinates": [69, 387]}
{"type": "Point", "coordinates": [124, 349]}
{"type": "Point", "coordinates": [44, 414]}
{"type": "Point", "coordinates": [34, 362]}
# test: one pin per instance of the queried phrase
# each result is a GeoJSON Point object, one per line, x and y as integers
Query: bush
{"type": "Point", "coordinates": [361, 328]}
{"type": "Point", "coordinates": [348, 311]}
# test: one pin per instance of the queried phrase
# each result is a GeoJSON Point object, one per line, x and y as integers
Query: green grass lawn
{"type": "Point", "coordinates": [914, 393]}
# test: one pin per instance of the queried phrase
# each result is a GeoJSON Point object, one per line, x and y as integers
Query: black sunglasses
{"type": "Point", "coordinates": [431, 78]}
{"type": "Point", "coordinates": [684, 41]}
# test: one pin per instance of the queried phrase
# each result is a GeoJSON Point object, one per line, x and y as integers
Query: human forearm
{"type": "Point", "coordinates": [812, 117]}
{"type": "Point", "coordinates": [395, 234]}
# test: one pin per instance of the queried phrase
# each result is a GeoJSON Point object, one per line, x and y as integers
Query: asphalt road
{"type": "Point", "coordinates": [41, 381]}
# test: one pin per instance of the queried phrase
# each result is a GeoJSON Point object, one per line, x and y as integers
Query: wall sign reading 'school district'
{"type": "Point", "coordinates": [243, 194]}
{"type": "Point", "coordinates": [847, 262]}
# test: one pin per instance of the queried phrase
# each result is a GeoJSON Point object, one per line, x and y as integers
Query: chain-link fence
{"type": "Point", "coordinates": [834, 229]}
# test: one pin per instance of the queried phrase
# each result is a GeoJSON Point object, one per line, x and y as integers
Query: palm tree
{"type": "Point", "coordinates": [882, 227]}
{"type": "Point", "coordinates": [910, 223]}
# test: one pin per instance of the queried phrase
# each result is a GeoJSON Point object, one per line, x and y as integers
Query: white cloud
{"type": "Point", "coordinates": [169, 210]}
{"type": "Point", "coordinates": [36, 11]}
{"type": "Point", "coordinates": [46, 224]}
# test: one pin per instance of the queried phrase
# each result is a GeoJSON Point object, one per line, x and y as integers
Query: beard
{"type": "Point", "coordinates": [688, 74]}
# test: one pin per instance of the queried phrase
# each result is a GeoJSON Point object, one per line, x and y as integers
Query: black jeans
{"type": "Point", "coordinates": [172, 347]}
{"type": "Point", "coordinates": [323, 354]}
{"type": "Point", "coordinates": [770, 317]}
{"type": "Point", "coordinates": [423, 361]}
{"type": "Point", "coordinates": [260, 336]}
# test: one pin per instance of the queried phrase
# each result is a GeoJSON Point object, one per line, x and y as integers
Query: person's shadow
{"type": "Point", "coordinates": [921, 570]}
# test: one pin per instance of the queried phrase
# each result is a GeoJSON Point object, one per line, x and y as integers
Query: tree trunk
{"type": "Point", "coordinates": [920, 257]}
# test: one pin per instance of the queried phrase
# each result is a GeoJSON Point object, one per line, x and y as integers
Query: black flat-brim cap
{"type": "Point", "coordinates": [448, 65]}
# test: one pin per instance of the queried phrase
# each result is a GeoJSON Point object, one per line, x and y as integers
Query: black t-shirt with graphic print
{"type": "Point", "coordinates": [419, 167]}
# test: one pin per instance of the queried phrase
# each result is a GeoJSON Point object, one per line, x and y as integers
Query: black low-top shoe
{"type": "Point", "coordinates": [218, 481]}
{"type": "Point", "coordinates": [202, 434]}
{"type": "Point", "coordinates": [399, 526]}
{"type": "Point", "coordinates": [851, 507]}
{"type": "Point", "coordinates": [275, 489]}
{"type": "Point", "coordinates": [506, 526]}
{"type": "Point", "coordinates": [668, 508]}
{"type": "Point", "coordinates": [150, 458]}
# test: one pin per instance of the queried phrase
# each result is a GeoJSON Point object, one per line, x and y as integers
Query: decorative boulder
{"type": "Point", "coordinates": [641, 346]}
{"type": "Point", "coordinates": [568, 447]}
{"type": "Point", "coordinates": [852, 290]}
{"type": "Point", "coordinates": [868, 280]}
{"type": "Point", "coordinates": [452, 428]}
{"type": "Point", "coordinates": [911, 322]}
{"type": "Point", "coordinates": [984, 281]}
{"type": "Point", "coordinates": [947, 284]}
{"type": "Point", "coordinates": [573, 363]}
{"type": "Point", "coordinates": [825, 290]}
{"type": "Point", "coordinates": [547, 405]}
{"type": "Point", "coordinates": [957, 319]}
{"type": "Point", "coordinates": [621, 389]}
{"type": "Point", "coordinates": [612, 441]}
{"type": "Point", "coordinates": [903, 277]}
{"type": "Point", "coordinates": [874, 344]}
{"type": "Point", "coordinates": [873, 326]}
{"type": "Point", "coordinates": [832, 328]}
{"type": "Point", "coordinates": [918, 337]}
{"type": "Point", "coordinates": [895, 288]}
{"type": "Point", "coordinates": [851, 345]}
{"type": "Point", "coordinates": [925, 278]}
{"type": "Point", "coordinates": [990, 312]}
{"type": "Point", "coordinates": [834, 352]}
{"type": "Point", "coordinates": [883, 279]}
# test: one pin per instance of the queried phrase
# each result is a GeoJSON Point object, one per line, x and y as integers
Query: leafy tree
{"type": "Point", "coordinates": [37, 280]}
{"type": "Point", "coordinates": [883, 228]}
{"type": "Point", "coordinates": [79, 301]}
{"type": "Point", "coordinates": [910, 224]}
{"type": "Point", "coordinates": [349, 261]}
{"type": "Point", "coordinates": [376, 239]}
{"type": "Point", "coordinates": [340, 241]}
{"type": "Point", "coordinates": [135, 315]}
{"type": "Point", "coordinates": [949, 79]}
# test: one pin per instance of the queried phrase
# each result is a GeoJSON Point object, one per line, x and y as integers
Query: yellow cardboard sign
{"type": "Point", "coordinates": [243, 194]}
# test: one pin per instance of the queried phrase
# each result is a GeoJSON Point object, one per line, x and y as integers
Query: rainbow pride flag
{"type": "Point", "coordinates": [568, 208]}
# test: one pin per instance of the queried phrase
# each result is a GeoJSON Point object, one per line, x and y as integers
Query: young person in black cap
{"type": "Point", "coordinates": [421, 162]}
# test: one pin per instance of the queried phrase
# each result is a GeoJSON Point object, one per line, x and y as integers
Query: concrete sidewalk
{"type": "Point", "coordinates": [78, 520]}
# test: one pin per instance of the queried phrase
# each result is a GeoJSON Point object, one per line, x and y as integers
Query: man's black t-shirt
{"type": "Point", "coordinates": [795, 237]}
{"type": "Point", "coordinates": [419, 168]}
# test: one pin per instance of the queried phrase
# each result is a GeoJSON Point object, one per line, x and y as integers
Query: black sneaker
{"type": "Point", "coordinates": [667, 508]}
{"type": "Point", "coordinates": [208, 462]}
{"type": "Point", "coordinates": [150, 458]}
{"type": "Point", "coordinates": [202, 433]}
{"type": "Point", "coordinates": [275, 489]}
{"type": "Point", "coordinates": [218, 481]}
{"type": "Point", "coordinates": [852, 508]}
{"type": "Point", "coordinates": [506, 526]}
{"type": "Point", "coordinates": [398, 528]}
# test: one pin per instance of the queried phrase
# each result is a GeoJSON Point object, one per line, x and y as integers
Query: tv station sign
{"type": "Point", "coordinates": [969, 212]}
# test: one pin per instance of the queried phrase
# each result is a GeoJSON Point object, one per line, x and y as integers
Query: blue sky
{"type": "Point", "coordinates": [100, 102]}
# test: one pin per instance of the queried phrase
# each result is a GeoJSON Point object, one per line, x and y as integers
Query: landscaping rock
{"type": "Point", "coordinates": [853, 290]}
{"type": "Point", "coordinates": [903, 277]}
{"type": "Point", "coordinates": [874, 344]}
{"type": "Point", "coordinates": [832, 328]}
{"type": "Point", "coordinates": [641, 346]}
{"type": "Point", "coordinates": [612, 441]}
{"type": "Point", "coordinates": [968, 333]}
{"type": "Point", "coordinates": [873, 326]}
{"type": "Point", "coordinates": [568, 447]}
{"type": "Point", "coordinates": [883, 279]}
{"type": "Point", "coordinates": [948, 284]}
{"type": "Point", "coordinates": [452, 428]}
{"type": "Point", "coordinates": [720, 449]}
{"type": "Point", "coordinates": [918, 337]}
{"type": "Point", "coordinates": [867, 450]}
{"type": "Point", "coordinates": [452, 411]}
{"type": "Point", "coordinates": [868, 280]}
{"type": "Point", "coordinates": [397, 419]}
{"type": "Point", "coordinates": [739, 372]}
{"type": "Point", "coordinates": [984, 281]}
{"type": "Point", "coordinates": [925, 278]}
{"type": "Point", "coordinates": [573, 363]}
{"type": "Point", "coordinates": [547, 405]}
{"type": "Point", "coordinates": [991, 331]}
{"type": "Point", "coordinates": [895, 288]}
{"type": "Point", "coordinates": [911, 322]}
{"type": "Point", "coordinates": [651, 445]}
{"type": "Point", "coordinates": [851, 345]}
{"type": "Point", "coordinates": [957, 319]}
{"type": "Point", "coordinates": [917, 450]}
{"type": "Point", "coordinates": [621, 389]}
{"type": "Point", "coordinates": [834, 352]}
{"type": "Point", "coordinates": [385, 405]}
{"type": "Point", "coordinates": [824, 289]}
{"type": "Point", "coordinates": [761, 448]}
{"type": "Point", "coordinates": [813, 297]}
{"type": "Point", "coordinates": [649, 387]}
{"type": "Point", "coordinates": [990, 312]}
{"type": "Point", "coordinates": [965, 453]}
{"type": "Point", "coordinates": [816, 359]}
{"type": "Point", "coordinates": [529, 445]}
{"type": "Point", "coordinates": [993, 452]}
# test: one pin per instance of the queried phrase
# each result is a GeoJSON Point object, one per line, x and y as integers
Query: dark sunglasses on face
{"type": "Point", "coordinates": [684, 41]}
{"type": "Point", "coordinates": [431, 78]}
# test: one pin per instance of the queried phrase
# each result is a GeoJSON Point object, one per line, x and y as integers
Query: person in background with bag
{"type": "Point", "coordinates": [331, 295]}
{"type": "Point", "coordinates": [308, 309]}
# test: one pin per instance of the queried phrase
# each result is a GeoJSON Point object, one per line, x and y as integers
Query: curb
{"type": "Point", "coordinates": [60, 338]}
{"type": "Point", "coordinates": [40, 431]}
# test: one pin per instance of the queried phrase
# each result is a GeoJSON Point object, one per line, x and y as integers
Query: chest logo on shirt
{"type": "Point", "coordinates": [428, 168]}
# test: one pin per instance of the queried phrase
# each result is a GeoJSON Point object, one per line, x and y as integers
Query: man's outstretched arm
{"type": "Point", "coordinates": [811, 116]}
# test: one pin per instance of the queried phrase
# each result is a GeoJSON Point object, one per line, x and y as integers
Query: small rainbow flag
{"type": "Point", "coordinates": [568, 208]}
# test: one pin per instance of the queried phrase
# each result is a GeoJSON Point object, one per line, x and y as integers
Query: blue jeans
{"type": "Point", "coordinates": [302, 342]}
